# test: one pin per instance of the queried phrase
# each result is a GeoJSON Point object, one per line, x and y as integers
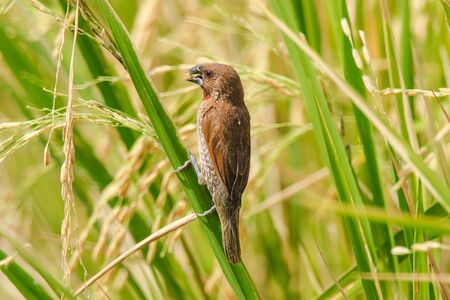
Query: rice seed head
{"type": "Point", "coordinates": [400, 250]}
{"type": "Point", "coordinates": [346, 28]}
{"type": "Point", "coordinates": [368, 83]}
{"type": "Point", "coordinates": [357, 59]}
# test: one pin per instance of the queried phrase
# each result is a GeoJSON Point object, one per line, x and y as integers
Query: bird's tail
{"type": "Point", "coordinates": [230, 237]}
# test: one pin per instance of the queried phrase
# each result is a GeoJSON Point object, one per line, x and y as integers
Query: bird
{"type": "Point", "coordinates": [223, 131]}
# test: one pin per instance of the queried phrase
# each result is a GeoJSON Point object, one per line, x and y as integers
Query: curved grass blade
{"type": "Point", "coordinates": [439, 189]}
{"type": "Point", "coordinates": [57, 287]}
{"type": "Point", "coordinates": [353, 76]}
{"type": "Point", "coordinates": [334, 153]}
{"type": "Point", "coordinates": [346, 278]}
{"type": "Point", "coordinates": [25, 283]}
{"type": "Point", "coordinates": [197, 195]}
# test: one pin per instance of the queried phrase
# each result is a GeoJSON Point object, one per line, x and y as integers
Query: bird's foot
{"type": "Point", "coordinates": [207, 212]}
{"type": "Point", "coordinates": [191, 161]}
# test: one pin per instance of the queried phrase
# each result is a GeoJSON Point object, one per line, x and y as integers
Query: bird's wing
{"type": "Point", "coordinates": [227, 135]}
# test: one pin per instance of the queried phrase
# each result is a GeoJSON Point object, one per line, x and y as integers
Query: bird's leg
{"type": "Point", "coordinates": [201, 180]}
{"type": "Point", "coordinates": [207, 212]}
{"type": "Point", "coordinates": [192, 161]}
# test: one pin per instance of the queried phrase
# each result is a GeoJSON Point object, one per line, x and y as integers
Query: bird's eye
{"type": "Point", "coordinates": [209, 73]}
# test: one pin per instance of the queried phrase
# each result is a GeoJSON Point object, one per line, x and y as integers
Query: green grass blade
{"type": "Point", "coordinates": [308, 23]}
{"type": "Point", "coordinates": [198, 196]}
{"type": "Point", "coordinates": [406, 59]}
{"type": "Point", "coordinates": [57, 286]}
{"type": "Point", "coordinates": [24, 68]}
{"type": "Point", "coordinates": [333, 151]}
{"type": "Point", "coordinates": [407, 232]}
{"type": "Point", "coordinates": [436, 210]}
{"type": "Point", "coordinates": [446, 7]}
{"type": "Point", "coordinates": [115, 95]}
{"type": "Point", "coordinates": [21, 65]}
{"type": "Point", "coordinates": [432, 181]}
{"type": "Point", "coordinates": [396, 79]}
{"type": "Point", "coordinates": [24, 282]}
{"type": "Point", "coordinates": [353, 76]}
{"type": "Point", "coordinates": [308, 225]}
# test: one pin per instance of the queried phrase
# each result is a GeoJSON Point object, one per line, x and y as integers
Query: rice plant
{"type": "Point", "coordinates": [349, 188]}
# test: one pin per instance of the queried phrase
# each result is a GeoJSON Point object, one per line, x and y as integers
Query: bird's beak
{"type": "Point", "coordinates": [195, 75]}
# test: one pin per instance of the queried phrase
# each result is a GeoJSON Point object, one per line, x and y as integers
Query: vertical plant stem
{"type": "Point", "coordinates": [198, 196]}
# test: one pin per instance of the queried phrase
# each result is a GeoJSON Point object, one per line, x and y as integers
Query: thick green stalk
{"type": "Point", "coordinates": [197, 195]}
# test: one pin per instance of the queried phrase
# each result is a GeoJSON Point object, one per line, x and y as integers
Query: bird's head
{"type": "Point", "coordinates": [217, 80]}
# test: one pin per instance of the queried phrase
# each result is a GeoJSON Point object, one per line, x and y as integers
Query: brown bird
{"type": "Point", "coordinates": [223, 128]}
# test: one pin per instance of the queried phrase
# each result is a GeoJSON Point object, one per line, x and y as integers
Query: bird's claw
{"type": "Point", "coordinates": [183, 166]}
{"type": "Point", "coordinates": [207, 212]}
{"type": "Point", "coordinates": [191, 161]}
